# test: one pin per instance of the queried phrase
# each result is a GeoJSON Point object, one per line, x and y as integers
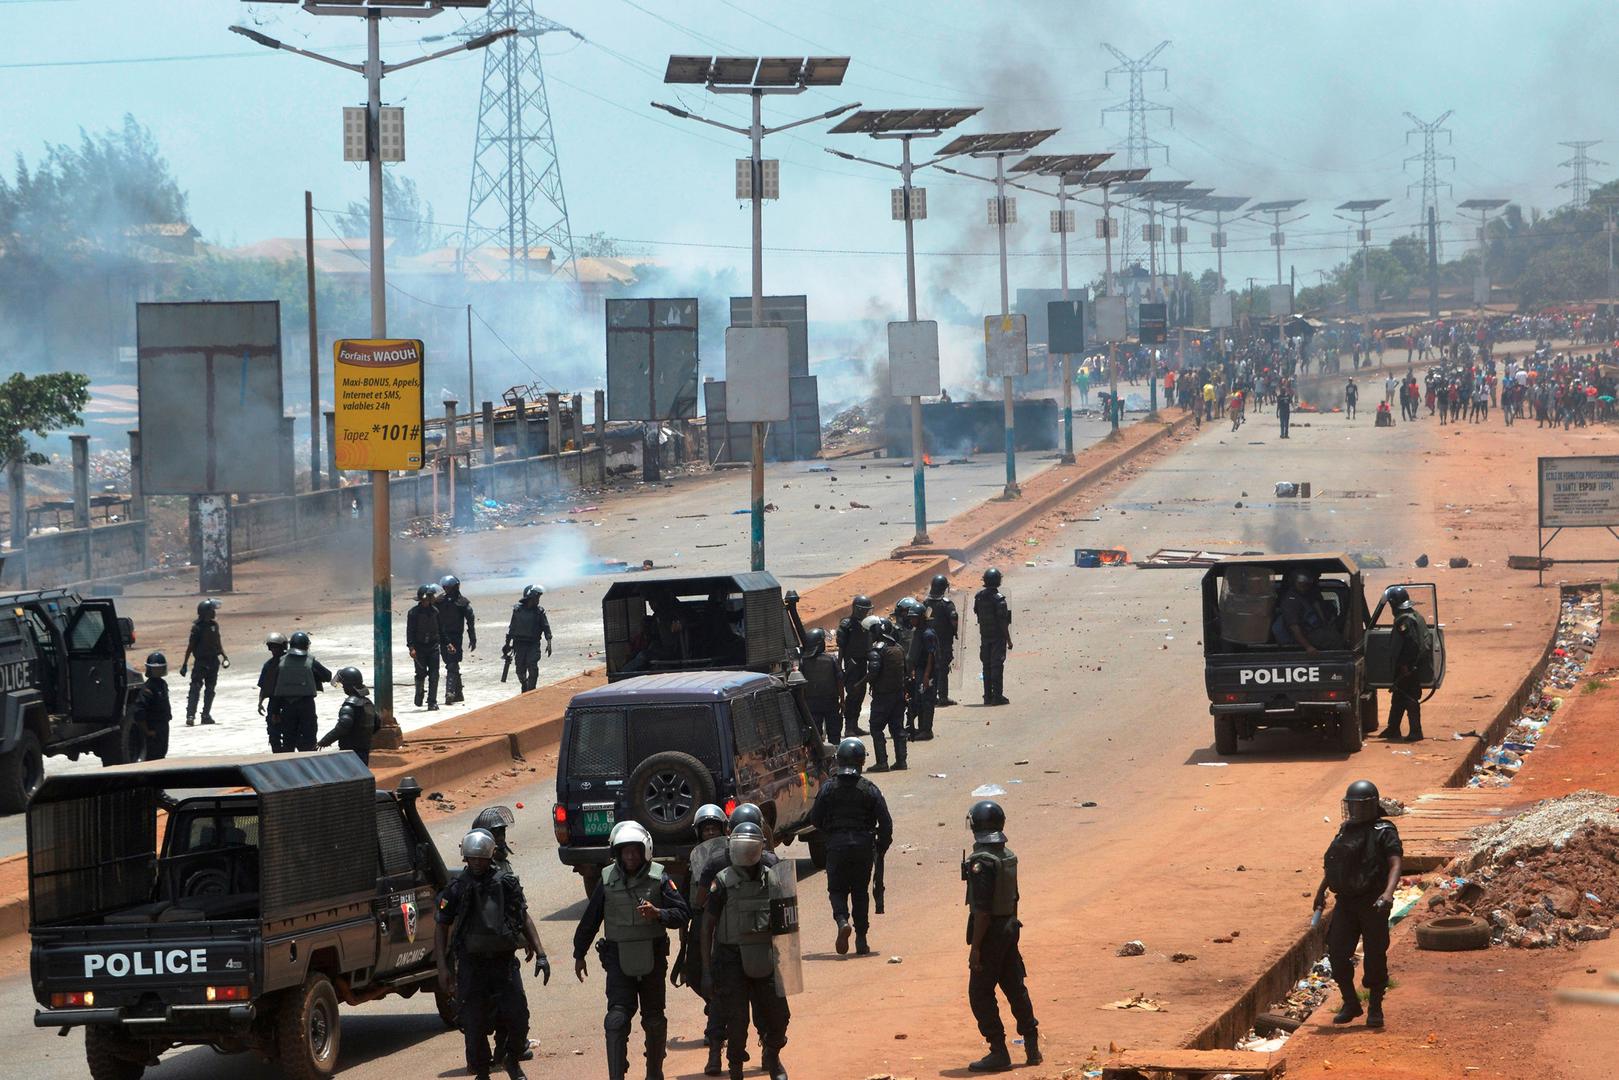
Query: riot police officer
{"type": "Point", "coordinates": [523, 635]}
{"type": "Point", "coordinates": [298, 678]}
{"type": "Point", "coordinates": [852, 815]}
{"type": "Point", "coordinates": [717, 858]}
{"type": "Point", "coordinates": [947, 625]}
{"type": "Point", "coordinates": [483, 919]}
{"type": "Point", "coordinates": [901, 620]}
{"type": "Point", "coordinates": [357, 718]}
{"type": "Point", "coordinates": [823, 686]}
{"type": "Point", "coordinates": [742, 968]}
{"type": "Point", "coordinates": [994, 635]}
{"type": "Point", "coordinates": [885, 671]}
{"type": "Point", "coordinates": [993, 958]}
{"type": "Point", "coordinates": [711, 826]}
{"type": "Point", "coordinates": [152, 713]}
{"type": "Point", "coordinates": [455, 620]}
{"type": "Point", "coordinates": [1361, 867]}
{"type": "Point", "coordinates": [424, 637]}
{"type": "Point", "coordinates": [1412, 649]}
{"type": "Point", "coordinates": [853, 645]}
{"type": "Point", "coordinates": [496, 820]}
{"type": "Point", "coordinates": [638, 905]}
{"type": "Point", "coordinates": [205, 652]}
{"type": "Point", "coordinates": [269, 704]}
{"type": "Point", "coordinates": [921, 665]}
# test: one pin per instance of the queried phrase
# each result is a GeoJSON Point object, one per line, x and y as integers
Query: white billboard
{"type": "Point", "coordinates": [1579, 492]}
{"type": "Point", "coordinates": [913, 359]}
{"type": "Point", "coordinates": [1006, 345]}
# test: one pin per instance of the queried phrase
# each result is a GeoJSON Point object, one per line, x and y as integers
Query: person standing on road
{"type": "Point", "coordinates": [852, 815]}
{"type": "Point", "coordinates": [993, 958]}
{"type": "Point", "coordinates": [994, 635]}
{"type": "Point", "coordinates": [298, 678]}
{"type": "Point", "coordinates": [208, 651]}
{"type": "Point", "coordinates": [947, 624]}
{"type": "Point", "coordinates": [1351, 396]}
{"type": "Point", "coordinates": [484, 919]}
{"type": "Point", "coordinates": [523, 635]}
{"type": "Point", "coordinates": [1412, 651]}
{"type": "Point", "coordinates": [1208, 401]}
{"type": "Point", "coordinates": [424, 637]}
{"type": "Point", "coordinates": [853, 647]}
{"type": "Point", "coordinates": [1284, 405]}
{"type": "Point", "coordinates": [269, 704]}
{"type": "Point", "coordinates": [458, 623]}
{"type": "Point", "coordinates": [823, 687]}
{"type": "Point", "coordinates": [1362, 867]}
{"type": "Point", "coordinates": [741, 972]}
{"type": "Point", "coordinates": [357, 719]}
{"type": "Point", "coordinates": [712, 827]}
{"type": "Point", "coordinates": [885, 671]}
{"type": "Point", "coordinates": [638, 905]}
{"type": "Point", "coordinates": [718, 858]}
{"type": "Point", "coordinates": [921, 665]}
{"type": "Point", "coordinates": [152, 714]}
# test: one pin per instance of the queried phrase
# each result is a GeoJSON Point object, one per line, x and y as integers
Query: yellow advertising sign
{"type": "Point", "coordinates": [378, 398]}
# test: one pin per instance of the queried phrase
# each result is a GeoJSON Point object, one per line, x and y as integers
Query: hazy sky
{"type": "Point", "coordinates": [1272, 100]}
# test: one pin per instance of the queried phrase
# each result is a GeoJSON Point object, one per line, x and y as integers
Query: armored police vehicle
{"type": "Point", "coordinates": [65, 687]}
{"type": "Point", "coordinates": [1288, 642]}
{"type": "Point", "coordinates": [170, 907]}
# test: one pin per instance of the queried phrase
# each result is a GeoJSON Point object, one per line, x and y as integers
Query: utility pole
{"type": "Point", "coordinates": [1278, 239]}
{"type": "Point", "coordinates": [1106, 228]}
{"type": "Point", "coordinates": [756, 77]}
{"type": "Point", "coordinates": [1138, 145]}
{"type": "Point", "coordinates": [1430, 157]}
{"type": "Point", "coordinates": [314, 345]}
{"type": "Point", "coordinates": [472, 389]}
{"type": "Point", "coordinates": [1484, 207]}
{"type": "Point", "coordinates": [388, 735]}
{"type": "Point", "coordinates": [1580, 183]}
{"type": "Point", "coordinates": [1433, 264]}
{"type": "Point", "coordinates": [906, 125]}
{"type": "Point", "coordinates": [1366, 300]}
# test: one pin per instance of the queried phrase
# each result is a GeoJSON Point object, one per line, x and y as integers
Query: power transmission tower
{"type": "Point", "coordinates": [516, 201]}
{"type": "Point", "coordinates": [1138, 146]}
{"type": "Point", "coordinates": [1430, 158]}
{"type": "Point", "coordinates": [1581, 162]}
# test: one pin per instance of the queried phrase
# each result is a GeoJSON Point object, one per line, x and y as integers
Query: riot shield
{"type": "Point", "coordinates": [703, 855]}
{"type": "Point", "coordinates": [784, 927]}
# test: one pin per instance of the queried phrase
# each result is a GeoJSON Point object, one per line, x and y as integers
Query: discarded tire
{"type": "Point", "coordinates": [1453, 933]}
{"type": "Point", "coordinates": [1272, 1024]}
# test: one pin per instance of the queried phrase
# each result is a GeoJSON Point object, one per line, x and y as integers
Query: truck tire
{"type": "Point", "coordinates": [125, 746]}
{"type": "Point", "coordinates": [665, 791]}
{"type": "Point", "coordinates": [111, 1056]}
{"type": "Point", "coordinates": [308, 1032]}
{"type": "Point", "coordinates": [22, 770]}
{"type": "Point", "coordinates": [1350, 736]}
{"type": "Point", "coordinates": [1225, 736]}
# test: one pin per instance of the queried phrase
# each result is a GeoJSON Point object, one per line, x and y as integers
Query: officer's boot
{"type": "Point", "coordinates": [419, 689]}
{"type": "Point", "coordinates": [714, 1067]}
{"type": "Point", "coordinates": [657, 1037]}
{"type": "Point", "coordinates": [1416, 732]}
{"type": "Point", "coordinates": [618, 1044]}
{"type": "Point", "coordinates": [1374, 1010]}
{"type": "Point", "coordinates": [842, 945]}
{"type": "Point", "coordinates": [1351, 1007]}
{"type": "Point", "coordinates": [1031, 1048]}
{"type": "Point", "coordinates": [770, 1062]}
{"type": "Point", "coordinates": [862, 947]}
{"type": "Point", "coordinates": [997, 1060]}
{"type": "Point", "coordinates": [899, 754]}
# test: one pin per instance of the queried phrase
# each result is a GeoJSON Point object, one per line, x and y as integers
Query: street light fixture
{"type": "Point", "coordinates": [1367, 299]}
{"type": "Point", "coordinates": [1485, 207]}
{"type": "Point", "coordinates": [1106, 179]}
{"type": "Point", "coordinates": [905, 125]}
{"type": "Point", "coordinates": [1180, 200]}
{"type": "Point", "coordinates": [756, 77]}
{"type": "Point", "coordinates": [388, 735]}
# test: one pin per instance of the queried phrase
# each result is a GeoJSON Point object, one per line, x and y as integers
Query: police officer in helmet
{"type": "Point", "coordinates": [424, 636]}
{"type": "Point", "coordinates": [638, 905]}
{"type": "Point", "coordinates": [357, 719]}
{"type": "Point", "coordinates": [276, 643]}
{"type": "Point", "coordinates": [886, 672]}
{"type": "Point", "coordinates": [994, 635]}
{"type": "Point", "coordinates": [823, 686]}
{"type": "Point", "coordinates": [205, 653]}
{"type": "Point", "coordinates": [717, 858]}
{"type": "Point", "coordinates": [523, 635]}
{"type": "Point", "coordinates": [1412, 651]}
{"type": "Point", "coordinates": [993, 959]}
{"type": "Point", "coordinates": [484, 919]}
{"type": "Point", "coordinates": [496, 820]}
{"type": "Point", "coordinates": [298, 678]}
{"type": "Point", "coordinates": [852, 815]}
{"type": "Point", "coordinates": [711, 827]}
{"type": "Point", "coordinates": [853, 645]}
{"type": "Point", "coordinates": [152, 712]}
{"type": "Point", "coordinates": [459, 625]}
{"type": "Point", "coordinates": [947, 625]}
{"type": "Point", "coordinates": [741, 968]}
{"type": "Point", "coordinates": [922, 668]}
{"type": "Point", "coordinates": [1362, 867]}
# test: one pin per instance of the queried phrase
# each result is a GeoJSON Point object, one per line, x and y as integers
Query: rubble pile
{"type": "Point", "coordinates": [1579, 623]}
{"type": "Point", "coordinates": [851, 426]}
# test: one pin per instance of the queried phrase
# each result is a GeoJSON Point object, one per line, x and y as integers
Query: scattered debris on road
{"type": "Point", "coordinates": [1132, 948]}
{"type": "Point", "coordinates": [1139, 1002]}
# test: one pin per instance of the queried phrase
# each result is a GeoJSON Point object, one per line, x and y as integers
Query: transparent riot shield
{"type": "Point", "coordinates": [784, 927]}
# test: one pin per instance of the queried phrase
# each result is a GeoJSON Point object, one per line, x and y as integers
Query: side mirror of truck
{"type": "Point", "coordinates": [126, 632]}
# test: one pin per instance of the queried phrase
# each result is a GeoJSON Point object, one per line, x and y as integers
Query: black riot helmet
{"type": "Point", "coordinates": [532, 594]}
{"type": "Point", "coordinates": [851, 757]}
{"type": "Point", "coordinates": [1361, 802]}
{"type": "Point", "coordinates": [987, 821]}
{"type": "Point", "coordinates": [861, 606]}
{"type": "Point", "coordinates": [157, 665]}
{"type": "Point", "coordinates": [206, 608]}
{"type": "Point", "coordinates": [939, 586]}
{"type": "Point", "coordinates": [814, 642]}
{"type": "Point", "coordinates": [451, 585]}
{"type": "Point", "coordinates": [298, 643]}
{"type": "Point", "coordinates": [992, 578]}
{"type": "Point", "coordinates": [749, 813]}
{"type": "Point", "coordinates": [426, 592]}
{"type": "Point", "coordinates": [889, 633]}
{"type": "Point", "coordinates": [1398, 598]}
{"type": "Point", "coordinates": [496, 819]}
{"type": "Point", "coordinates": [351, 679]}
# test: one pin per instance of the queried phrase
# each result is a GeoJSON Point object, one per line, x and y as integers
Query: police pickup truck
{"type": "Point", "coordinates": [229, 918]}
{"type": "Point", "coordinates": [1259, 675]}
{"type": "Point", "coordinates": [65, 687]}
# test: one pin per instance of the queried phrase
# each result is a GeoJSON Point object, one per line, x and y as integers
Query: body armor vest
{"type": "Point", "coordinates": [486, 931]}
{"type": "Point", "coordinates": [1004, 903]}
{"type": "Point", "coordinates": [635, 937]}
{"type": "Point", "coordinates": [294, 677]}
{"type": "Point", "coordinates": [890, 677]}
{"type": "Point", "coordinates": [745, 921]}
{"type": "Point", "coordinates": [821, 679]}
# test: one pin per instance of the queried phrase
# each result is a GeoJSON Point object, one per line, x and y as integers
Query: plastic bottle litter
{"type": "Point", "coordinates": [987, 791]}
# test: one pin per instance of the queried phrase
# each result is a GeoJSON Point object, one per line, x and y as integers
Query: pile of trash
{"type": "Point", "coordinates": [1579, 624]}
{"type": "Point", "coordinates": [1268, 1035]}
{"type": "Point", "coordinates": [1548, 876]}
{"type": "Point", "coordinates": [852, 425]}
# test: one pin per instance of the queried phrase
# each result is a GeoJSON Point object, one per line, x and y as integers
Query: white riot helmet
{"type": "Point", "coordinates": [478, 844]}
{"type": "Point", "coordinates": [630, 832]}
{"type": "Point", "coordinates": [871, 624]}
{"type": "Point", "coordinates": [747, 844]}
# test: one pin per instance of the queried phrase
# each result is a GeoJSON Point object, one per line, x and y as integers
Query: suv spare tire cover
{"type": "Point", "coordinates": [665, 791]}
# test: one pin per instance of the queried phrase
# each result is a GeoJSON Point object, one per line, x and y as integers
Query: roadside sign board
{"type": "Point", "coordinates": [1579, 492]}
{"type": "Point", "coordinates": [1281, 299]}
{"type": "Point", "coordinates": [1153, 323]}
{"type": "Point", "coordinates": [913, 359]}
{"type": "Point", "coordinates": [1066, 321]}
{"type": "Point", "coordinates": [757, 359]}
{"type": "Point", "coordinates": [1112, 323]}
{"type": "Point", "coordinates": [652, 359]}
{"type": "Point", "coordinates": [1219, 310]}
{"type": "Point", "coordinates": [789, 311]}
{"type": "Point", "coordinates": [378, 398]}
{"type": "Point", "coordinates": [1006, 345]}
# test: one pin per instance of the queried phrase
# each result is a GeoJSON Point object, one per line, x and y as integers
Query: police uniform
{"type": "Point", "coordinates": [706, 859]}
{"type": "Point", "coordinates": [455, 620]}
{"type": "Point", "coordinates": [921, 691]}
{"type": "Point", "coordinates": [992, 894]}
{"type": "Point", "coordinates": [425, 639]}
{"type": "Point", "coordinates": [947, 625]}
{"type": "Point", "coordinates": [994, 638]}
{"type": "Point", "coordinates": [357, 722]}
{"type": "Point", "coordinates": [851, 813]}
{"type": "Point", "coordinates": [635, 957]}
{"type": "Point", "coordinates": [744, 962]}
{"type": "Point", "coordinates": [885, 671]}
{"type": "Point", "coordinates": [204, 648]}
{"type": "Point", "coordinates": [823, 689]}
{"type": "Point", "coordinates": [152, 715]}
{"type": "Point", "coordinates": [1410, 654]}
{"type": "Point", "coordinates": [488, 915]}
{"type": "Point", "coordinates": [280, 740]}
{"type": "Point", "coordinates": [853, 646]}
{"type": "Point", "coordinates": [298, 679]}
{"type": "Point", "coordinates": [1357, 870]}
{"type": "Point", "coordinates": [528, 626]}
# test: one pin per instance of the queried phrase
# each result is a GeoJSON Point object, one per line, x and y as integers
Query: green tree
{"type": "Point", "coordinates": [406, 216]}
{"type": "Point", "coordinates": [38, 404]}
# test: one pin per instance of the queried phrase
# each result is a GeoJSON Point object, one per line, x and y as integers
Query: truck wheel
{"type": "Point", "coordinates": [665, 792]}
{"type": "Point", "coordinates": [308, 1032]}
{"type": "Point", "coordinates": [111, 1056]}
{"type": "Point", "coordinates": [1225, 735]}
{"type": "Point", "coordinates": [817, 852]}
{"type": "Point", "coordinates": [1350, 736]}
{"type": "Point", "coordinates": [22, 770]}
{"type": "Point", "coordinates": [125, 746]}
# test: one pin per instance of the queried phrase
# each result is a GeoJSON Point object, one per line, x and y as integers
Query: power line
{"type": "Point", "coordinates": [1581, 162]}
{"type": "Point", "coordinates": [1137, 145]}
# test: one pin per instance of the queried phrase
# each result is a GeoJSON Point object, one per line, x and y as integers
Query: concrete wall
{"type": "Point", "coordinates": [76, 555]}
